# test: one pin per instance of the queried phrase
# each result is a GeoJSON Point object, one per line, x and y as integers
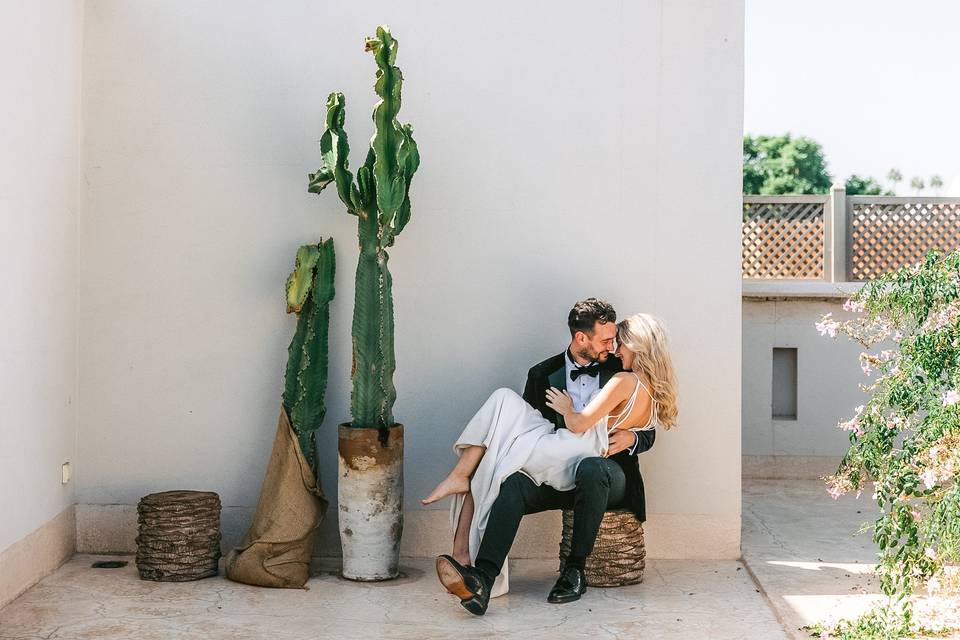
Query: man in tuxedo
{"type": "Point", "coordinates": [601, 483]}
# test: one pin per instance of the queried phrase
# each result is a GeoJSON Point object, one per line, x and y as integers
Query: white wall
{"type": "Point", "coordinates": [568, 150]}
{"type": "Point", "coordinates": [40, 47]}
{"type": "Point", "coordinates": [828, 379]}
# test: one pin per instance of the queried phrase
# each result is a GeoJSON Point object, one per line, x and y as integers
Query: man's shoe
{"type": "Point", "coordinates": [571, 584]}
{"type": "Point", "coordinates": [465, 582]}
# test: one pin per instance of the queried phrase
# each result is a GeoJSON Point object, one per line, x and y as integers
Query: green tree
{"type": "Point", "coordinates": [865, 186]}
{"type": "Point", "coordinates": [917, 185]}
{"type": "Point", "coordinates": [936, 182]}
{"type": "Point", "coordinates": [895, 177]}
{"type": "Point", "coordinates": [775, 165]}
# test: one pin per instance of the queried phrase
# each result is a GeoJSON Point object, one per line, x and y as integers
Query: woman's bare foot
{"type": "Point", "coordinates": [448, 486]}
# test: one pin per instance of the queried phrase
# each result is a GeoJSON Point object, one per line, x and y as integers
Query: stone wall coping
{"type": "Point", "coordinates": [797, 289]}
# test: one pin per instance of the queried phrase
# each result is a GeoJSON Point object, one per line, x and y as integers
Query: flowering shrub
{"type": "Point", "coordinates": [905, 441]}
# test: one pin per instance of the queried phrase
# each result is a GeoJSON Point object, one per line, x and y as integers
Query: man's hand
{"type": "Point", "coordinates": [561, 402]}
{"type": "Point", "coordinates": [620, 440]}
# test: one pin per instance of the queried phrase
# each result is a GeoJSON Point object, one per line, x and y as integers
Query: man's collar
{"type": "Point", "coordinates": [573, 364]}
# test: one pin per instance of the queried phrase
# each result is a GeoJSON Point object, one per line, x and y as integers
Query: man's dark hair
{"type": "Point", "coordinates": [586, 313]}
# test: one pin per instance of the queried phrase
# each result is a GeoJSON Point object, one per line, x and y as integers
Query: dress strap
{"type": "Point", "coordinates": [621, 417]}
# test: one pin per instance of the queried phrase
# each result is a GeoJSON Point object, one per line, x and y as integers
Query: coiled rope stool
{"type": "Point", "coordinates": [179, 536]}
{"type": "Point", "coordinates": [619, 555]}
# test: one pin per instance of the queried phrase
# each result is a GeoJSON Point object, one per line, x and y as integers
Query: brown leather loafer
{"type": "Point", "coordinates": [465, 582]}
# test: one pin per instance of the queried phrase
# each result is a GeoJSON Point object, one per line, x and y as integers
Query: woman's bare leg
{"type": "Point", "coordinates": [459, 479]}
{"type": "Point", "coordinates": [461, 539]}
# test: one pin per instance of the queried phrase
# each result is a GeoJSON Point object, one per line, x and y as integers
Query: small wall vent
{"type": "Point", "coordinates": [784, 384]}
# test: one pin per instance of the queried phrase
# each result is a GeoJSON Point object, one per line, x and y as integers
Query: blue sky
{"type": "Point", "coordinates": [875, 82]}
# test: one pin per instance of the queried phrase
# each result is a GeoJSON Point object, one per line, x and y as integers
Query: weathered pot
{"type": "Point", "coordinates": [370, 496]}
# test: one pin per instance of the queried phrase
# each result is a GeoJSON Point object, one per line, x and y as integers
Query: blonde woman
{"type": "Point", "coordinates": [514, 462]}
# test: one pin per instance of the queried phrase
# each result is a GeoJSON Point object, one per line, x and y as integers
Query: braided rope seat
{"type": "Point", "coordinates": [179, 536]}
{"type": "Point", "coordinates": [619, 556]}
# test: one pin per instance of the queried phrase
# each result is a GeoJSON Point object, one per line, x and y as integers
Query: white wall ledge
{"type": "Point", "coordinates": [797, 289]}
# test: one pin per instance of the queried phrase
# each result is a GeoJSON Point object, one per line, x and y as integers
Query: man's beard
{"type": "Point", "coordinates": [586, 354]}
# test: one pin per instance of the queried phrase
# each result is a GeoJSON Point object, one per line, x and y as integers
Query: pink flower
{"type": "Point", "coordinates": [865, 366]}
{"type": "Point", "coordinates": [916, 515]}
{"type": "Point", "coordinates": [929, 478]}
{"type": "Point", "coordinates": [898, 336]}
{"type": "Point", "coordinates": [851, 425]}
{"type": "Point", "coordinates": [827, 326]}
{"type": "Point", "coordinates": [854, 306]}
{"type": "Point", "coordinates": [824, 635]}
{"type": "Point", "coordinates": [950, 398]}
{"type": "Point", "coordinates": [835, 491]}
{"type": "Point", "coordinates": [930, 553]}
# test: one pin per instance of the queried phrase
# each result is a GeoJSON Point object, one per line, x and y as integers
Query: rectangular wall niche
{"type": "Point", "coordinates": [784, 383]}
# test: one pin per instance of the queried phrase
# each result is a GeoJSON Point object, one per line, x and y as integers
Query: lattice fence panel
{"type": "Point", "coordinates": [782, 240]}
{"type": "Point", "coordinates": [884, 237]}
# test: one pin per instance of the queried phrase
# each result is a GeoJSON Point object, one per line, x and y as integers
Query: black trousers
{"type": "Point", "coordinates": [600, 485]}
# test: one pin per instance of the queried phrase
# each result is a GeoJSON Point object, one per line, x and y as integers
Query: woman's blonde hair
{"type": "Point", "coordinates": [644, 335]}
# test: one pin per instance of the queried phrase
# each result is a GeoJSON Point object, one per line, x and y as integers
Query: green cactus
{"type": "Point", "coordinates": [309, 292]}
{"type": "Point", "coordinates": [380, 198]}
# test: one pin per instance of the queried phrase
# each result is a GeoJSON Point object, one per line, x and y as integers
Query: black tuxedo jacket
{"type": "Point", "coordinates": [552, 373]}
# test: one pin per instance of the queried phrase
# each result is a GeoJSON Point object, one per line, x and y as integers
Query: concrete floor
{"type": "Point", "coordinates": [797, 542]}
{"type": "Point", "coordinates": [678, 599]}
{"type": "Point", "coordinates": [800, 545]}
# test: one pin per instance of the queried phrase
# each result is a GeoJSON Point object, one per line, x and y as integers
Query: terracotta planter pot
{"type": "Point", "coordinates": [370, 497]}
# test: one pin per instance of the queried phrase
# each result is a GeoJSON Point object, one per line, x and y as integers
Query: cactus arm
{"type": "Point", "coordinates": [309, 410]}
{"type": "Point", "coordinates": [335, 155]}
{"type": "Point", "coordinates": [388, 362]}
{"type": "Point", "coordinates": [389, 138]}
{"type": "Point", "coordinates": [409, 161]}
{"type": "Point", "coordinates": [366, 308]}
{"type": "Point", "coordinates": [367, 188]}
{"type": "Point", "coordinates": [294, 361]}
{"type": "Point", "coordinates": [306, 375]}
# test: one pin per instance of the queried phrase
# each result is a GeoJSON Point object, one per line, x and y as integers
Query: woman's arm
{"type": "Point", "coordinates": [613, 393]}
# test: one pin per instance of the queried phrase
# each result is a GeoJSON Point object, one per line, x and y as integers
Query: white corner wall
{"type": "Point", "coordinates": [568, 150]}
{"type": "Point", "coordinates": [828, 388]}
{"type": "Point", "coordinates": [40, 54]}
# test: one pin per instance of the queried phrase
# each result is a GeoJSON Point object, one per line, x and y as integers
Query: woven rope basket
{"type": "Point", "coordinates": [619, 555]}
{"type": "Point", "coordinates": [179, 536]}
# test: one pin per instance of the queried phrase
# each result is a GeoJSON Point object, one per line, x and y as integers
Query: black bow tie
{"type": "Point", "coordinates": [592, 370]}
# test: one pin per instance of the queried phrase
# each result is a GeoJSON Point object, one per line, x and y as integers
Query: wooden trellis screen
{"type": "Point", "coordinates": [837, 238]}
{"type": "Point", "coordinates": [886, 233]}
{"type": "Point", "coordinates": [783, 237]}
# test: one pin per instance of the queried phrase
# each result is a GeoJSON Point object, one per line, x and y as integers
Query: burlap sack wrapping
{"type": "Point", "coordinates": [276, 550]}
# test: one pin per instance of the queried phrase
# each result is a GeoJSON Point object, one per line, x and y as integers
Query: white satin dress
{"type": "Point", "coordinates": [518, 438]}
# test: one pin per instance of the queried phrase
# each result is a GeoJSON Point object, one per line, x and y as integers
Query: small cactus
{"type": "Point", "coordinates": [380, 198]}
{"type": "Point", "coordinates": [309, 292]}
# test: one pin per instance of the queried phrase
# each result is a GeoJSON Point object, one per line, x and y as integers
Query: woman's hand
{"type": "Point", "coordinates": [560, 401]}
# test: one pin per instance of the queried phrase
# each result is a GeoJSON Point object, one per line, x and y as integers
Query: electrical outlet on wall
{"type": "Point", "coordinates": [65, 473]}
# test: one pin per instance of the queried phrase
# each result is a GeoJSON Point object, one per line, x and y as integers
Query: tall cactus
{"type": "Point", "coordinates": [380, 198]}
{"type": "Point", "coordinates": [309, 292]}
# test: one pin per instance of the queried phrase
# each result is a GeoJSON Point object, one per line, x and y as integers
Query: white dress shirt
{"type": "Point", "coordinates": [582, 390]}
